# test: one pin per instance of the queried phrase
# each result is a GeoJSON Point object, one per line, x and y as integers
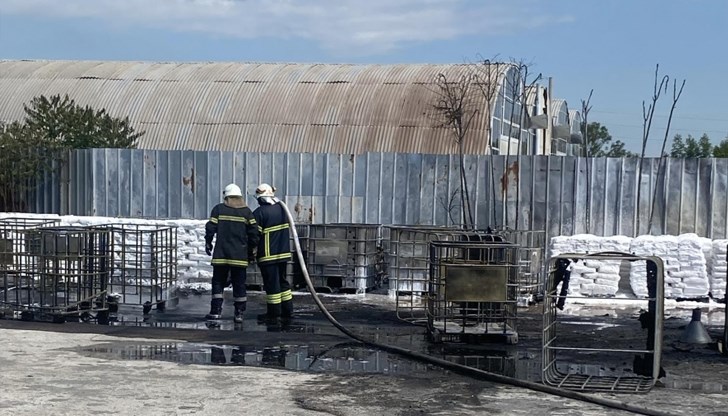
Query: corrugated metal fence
{"type": "Point", "coordinates": [572, 195]}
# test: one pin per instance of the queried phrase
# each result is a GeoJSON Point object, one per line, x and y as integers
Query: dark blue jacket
{"type": "Point", "coordinates": [274, 245]}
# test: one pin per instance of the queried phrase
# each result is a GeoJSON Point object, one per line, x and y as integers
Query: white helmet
{"type": "Point", "coordinates": [264, 190]}
{"type": "Point", "coordinates": [232, 190]}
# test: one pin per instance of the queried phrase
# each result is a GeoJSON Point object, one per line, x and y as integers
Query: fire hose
{"type": "Point", "coordinates": [454, 367]}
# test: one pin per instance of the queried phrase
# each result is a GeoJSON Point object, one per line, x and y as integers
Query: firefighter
{"type": "Point", "coordinates": [237, 236]}
{"type": "Point", "coordinates": [274, 252]}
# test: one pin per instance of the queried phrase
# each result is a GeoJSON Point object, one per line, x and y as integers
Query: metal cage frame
{"type": "Point", "coordinates": [344, 257]}
{"type": "Point", "coordinates": [579, 380]}
{"type": "Point", "coordinates": [409, 265]}
{"type": "Point", "coordinates": [532, 263]}
{"type": "Point", "coordinates": [65, 272]}
{"type": "Point", "coordinates": [473, 292]}
{"type": "Point", "coordinates": [144, 266]}
{"type": "Point", "coordinates": [13, 247]}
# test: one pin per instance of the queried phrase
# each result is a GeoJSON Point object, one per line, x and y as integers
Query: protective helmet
{"type": "Point", "coordinates": [264, 190]}
{"type": "Point", "coordinates": [232, 190]}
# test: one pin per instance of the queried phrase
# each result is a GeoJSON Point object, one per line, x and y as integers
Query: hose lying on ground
{"type": "Point", "coordinates": [454, 367]}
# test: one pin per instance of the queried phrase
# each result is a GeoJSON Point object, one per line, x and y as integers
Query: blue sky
{"type": "Point", "coordinates": [609, 46]}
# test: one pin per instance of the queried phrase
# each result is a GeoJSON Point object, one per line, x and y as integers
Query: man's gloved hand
{"type": "Point", "coordinates": [208, 249]}
{"type": "Point", "coordinates": [252, 255]}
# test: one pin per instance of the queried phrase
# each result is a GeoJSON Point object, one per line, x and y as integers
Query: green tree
{"type": "Point", "coordinates": [61, 121]}
{"type": "Point", "coordinates": [600, 144]}
{"type": "Point", "coordinates": [30, 147]}
{"type": "Point", "coordinates": [691, 147]}
{"type": "Point", "coordinates": [721, 150]}
{"type": "Point", "coordinates": [22, 159]}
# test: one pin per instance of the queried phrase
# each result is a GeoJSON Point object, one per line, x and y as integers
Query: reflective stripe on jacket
{"type": "Point", "coordinates": [236, 233]}
{"type": "Point", "coordinates": [274, 246]}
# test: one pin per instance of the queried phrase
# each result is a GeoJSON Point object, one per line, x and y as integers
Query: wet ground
{"type": "Point", "coordinates": [696, 381]}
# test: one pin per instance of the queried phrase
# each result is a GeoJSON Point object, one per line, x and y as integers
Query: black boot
{"type": "Point", "coordinates": [272, 316]}
{"type": "Point", "coordinates": [239, 309]}
{"type": "Point", "coordinates": [215, 309]}
{"type": "Point", "coordinates": [286, 312]}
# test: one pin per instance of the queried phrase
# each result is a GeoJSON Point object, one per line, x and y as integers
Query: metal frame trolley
{"type": "Point", "coordinates": [473, 292]}
{"type": "Point", "coordinates": [144, 266]}
{"type": "Point", "coordinates": [344, 257]}
{"type": "Point", "coordinates": [575, 348]}
{"type": "Point", "coordinates": [61, 273]}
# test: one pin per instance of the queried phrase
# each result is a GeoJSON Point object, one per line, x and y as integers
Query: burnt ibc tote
{"type": "Point", "coordinates": [344, 257]}
{"type": "Point", "coordinates": [574, 354]}
{"type": "Point", "coordinates": [66, 274]}
{"type": "Point", "coordinates": [16, 273]}
{"type": "Point", "coordinates": [473, 291]}
{"type": "Point", "coordinates": [409, 261]}
{"type": "Point", "coordinates": [531, 261]}
{"type": "Point", "coordinates": [144, 265]}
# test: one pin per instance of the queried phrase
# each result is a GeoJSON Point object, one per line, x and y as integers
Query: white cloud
{"type": "Point", "coordinates": [367, 26]}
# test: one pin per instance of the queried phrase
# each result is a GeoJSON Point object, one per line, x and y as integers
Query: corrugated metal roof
{"type": "Point", "coordinates": [254, 107]}
{"type": "Point", "coordinates": [575, 120]}
{"type": "Point", "coordinates": [560, 106]}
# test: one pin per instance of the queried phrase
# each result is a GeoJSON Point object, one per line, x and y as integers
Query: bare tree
{"type": "Point", "coordinates": [487, 75]}
{"type": "Point", "coordinates": [585, 109]}
{"type": "Point", "coordinates": [660, 167]}
{"type": "Point", "coordinates": [648, 112]}
{"type": "Point", "coordinates": [519, 85]}
{"type": "Point", "coordinates": [456, 108]}
{"type": "Point", "coordinates": [450, 204]}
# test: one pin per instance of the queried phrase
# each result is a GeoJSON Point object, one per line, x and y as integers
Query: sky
{"type": "Point", "coordinates": [610, 47]}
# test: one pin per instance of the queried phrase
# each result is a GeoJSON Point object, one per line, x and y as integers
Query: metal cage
{"type": "Point", "coordinates": [473, 292]}
{"type": "Point", "coordinates": [13, 246]}
{"type": "Point", "coordinates": [344, 257]}
{"type": "Point", "coordinates": [576, 361]}
{"type": "Point", "coordinates": [64, 271]}
{"type": "Point", "coordinates": [409, 264]}
{"type": "Point", "coordinates": [531, 262]}
{"type": "Point", "coordinates": [144, 267]}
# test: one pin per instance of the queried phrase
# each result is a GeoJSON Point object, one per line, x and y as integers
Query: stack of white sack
{"type": "Point", "coordinates": [592, 277]}
{"type": "Point", "coordinates": [685, 261]}
{"type": "Point", "coordinates": [719, 269]}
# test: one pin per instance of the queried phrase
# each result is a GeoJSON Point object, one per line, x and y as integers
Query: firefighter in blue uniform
{"type": "Point", "coordinates": [274, 252]}
{"type": "Point", "coordinates": [233, 226]}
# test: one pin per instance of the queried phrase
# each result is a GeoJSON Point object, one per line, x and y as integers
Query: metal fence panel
{"type": "Point", "coordinates": [719, 199]}
{"type": "Point", "coordinates": [564, 195]}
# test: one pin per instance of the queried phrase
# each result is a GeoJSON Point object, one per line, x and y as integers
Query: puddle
{"type": "Point", "coordinates": [224, 325]}
{"type": "Point", "coordinates": [339, 358]}
{"type": "Point", "coordinates": [347, 358]}
{"type": "Point", "coordinates": [356, 358]}
{"type": "Point", "coordinates": [708, 387]}
{"type": "Point", "coordinates": [599, 325]}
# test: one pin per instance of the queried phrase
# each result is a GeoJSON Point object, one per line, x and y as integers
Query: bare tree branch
{"type": "Point", "coordinates": [519, 86]}
{"type": "Point", "coordinates": [450, 204]}
{"type": "Point", "coordinates": [660, 168]}
{"type": "Point", "coordinates": [456, 109]}
{"type": "Point", "coordinates": [585, 109]}
{"type": "Point", "coordinates": [647, 114]}
{"type": "Point", "coordinates": [487, 77]}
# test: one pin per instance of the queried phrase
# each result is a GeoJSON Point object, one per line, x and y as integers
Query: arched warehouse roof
{"type": "Point", "coordinates": [256, 107]}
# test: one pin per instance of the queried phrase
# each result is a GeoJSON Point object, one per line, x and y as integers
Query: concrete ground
{"type": "Point", "coordinates": [172, 363]}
